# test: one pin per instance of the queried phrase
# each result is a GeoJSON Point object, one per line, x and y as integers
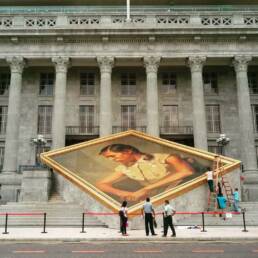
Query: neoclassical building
{"type": "Point", "coordinates": [77, 70]}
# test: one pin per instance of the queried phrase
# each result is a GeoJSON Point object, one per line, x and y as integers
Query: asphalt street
{"type": "Point", "coordinates": [129, 249]}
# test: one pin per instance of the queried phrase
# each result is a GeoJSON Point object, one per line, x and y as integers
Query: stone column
{"type": "Point", "coordinates": [247, 143]}
{"type": "Point", "coordinates": [12, 128]}
{"type": "Point", "coordinates": [199, 115]}
{"type": "Point", "coordinates": [58, 120]}
{"type": "Point", "coordinates": [106, 64]}
{"type": "Point", "coordinates": [151, 64]}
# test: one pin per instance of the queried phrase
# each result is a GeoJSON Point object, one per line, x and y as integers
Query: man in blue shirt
{"type": "Point", "coordinates": [148, 213]}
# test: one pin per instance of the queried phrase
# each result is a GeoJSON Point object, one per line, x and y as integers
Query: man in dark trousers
{"type": "Point", "coordinates": [169, 211]}
{"type": "Point", "coordinates": [148, 213]}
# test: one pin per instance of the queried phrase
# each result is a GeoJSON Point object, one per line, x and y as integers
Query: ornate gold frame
{"type": "Point", "coordinates": [229, 165]}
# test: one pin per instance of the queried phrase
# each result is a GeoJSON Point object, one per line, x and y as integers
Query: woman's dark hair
{"type": "Point", "coordinates": [124, 203]}
{"type": "Point", "coordinates": [124, 148]}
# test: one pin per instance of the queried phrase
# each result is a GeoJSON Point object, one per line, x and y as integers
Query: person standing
{"type": "Point", "coordinates": [169, 211]}
{"type": "Point", "coordinates": [148, 213]}
{"type": "Point", "coordinates": [123, 218]}
{"type": "Point", "coordinates": [236, 200]}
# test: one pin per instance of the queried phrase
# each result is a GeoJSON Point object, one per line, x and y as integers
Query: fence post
{"type": "Point", "coordinates": [5, 226]}
{"type": "Point", "coordinates": [244, 230]}
{"type": "Point", "coordinates": [203, 223]}
{"type": "Point", "coordinates": [83, 217]}
{"type": "Point", "coordinates": [44, 225]}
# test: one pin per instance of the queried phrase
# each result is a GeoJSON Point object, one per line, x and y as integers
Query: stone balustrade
{"type": "Point", "coordinates": [94, 20]}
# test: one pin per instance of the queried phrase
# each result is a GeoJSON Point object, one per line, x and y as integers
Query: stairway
{"type": "Point", "coordinates": [59, 214]}
{"type": "Point", "coordinates": [237, 220]}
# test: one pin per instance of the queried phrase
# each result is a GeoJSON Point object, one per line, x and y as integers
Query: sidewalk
{"type": "Point", "coordinates": [106, 234]}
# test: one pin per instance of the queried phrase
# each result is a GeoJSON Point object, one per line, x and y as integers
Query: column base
{"type": "Point", "coordinates": [250, 186]}
{"type": "Point", "coordinates": [35, 186]}
{"type": "Point", "coordinates": [10, 186]}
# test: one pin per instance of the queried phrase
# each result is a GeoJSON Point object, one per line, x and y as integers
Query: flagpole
{"type": "Point", "coordinates": [128, 10]}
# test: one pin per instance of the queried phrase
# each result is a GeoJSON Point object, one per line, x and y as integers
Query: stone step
{"type": "Point", "coordinates": [251, 219]}
{"type": "Point", "coordinates": [250, 205]}
{"type": "Point", "coordinates": [55, 197]}
{"type": "Point", "coordinates": [58, 214]}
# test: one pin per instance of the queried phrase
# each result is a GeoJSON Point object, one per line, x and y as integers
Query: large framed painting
{"type": "Point", "coordinates": [131, 166]}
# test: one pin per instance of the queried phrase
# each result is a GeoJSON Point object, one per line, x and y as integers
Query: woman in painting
{"type": "Point", "coordinates": [152, 171]}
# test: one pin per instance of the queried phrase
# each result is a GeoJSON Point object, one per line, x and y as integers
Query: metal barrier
{"type": "Point", "coordinates": [202, 213]}
{"type": "Point", "coordinates": [24, 214]}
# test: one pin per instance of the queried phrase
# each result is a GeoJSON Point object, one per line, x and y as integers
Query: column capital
{"type": "Point", "coordinates": [61, 63]}
{"type": "Point", "coordinates": [196, 63]}
{"type": "Point", "coordinates": [17, 63]}
{"type": "Point", "coordinates": [241, 63]}
{"type": "Point", "coordinates": [106, 63]}
{"type": "Point", "coordinates": [151, 63]}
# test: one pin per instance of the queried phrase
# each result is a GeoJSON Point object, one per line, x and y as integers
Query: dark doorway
{"type": "Point", "coordinates": [74, 140]}
{"type": "Point", "coordinates": [189, 141]}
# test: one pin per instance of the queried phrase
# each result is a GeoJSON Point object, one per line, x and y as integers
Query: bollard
{"type": "Point", "coordinates": [44, 224]}
{"type": "Point", "coordinates": [5, 226]}
{"type": "Point", "coordinates": [203, 223]}
{"type": "Point", "coordinates": [83, 216]}
{"type": "Point", "coordinates": [244, 230]}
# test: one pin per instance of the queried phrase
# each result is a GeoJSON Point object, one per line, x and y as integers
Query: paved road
{"type": "Point", "coordinates": [129, 250]}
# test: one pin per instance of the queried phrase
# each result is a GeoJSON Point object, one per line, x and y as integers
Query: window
{"type": "Point", "coordinates": [214, 149]}
{"type": "Point", "coordinates": [3, 119]}
{"type": "Point", "coordinates": [87, 84]}
{"type": "Point", "coordinates": [44, 119]}
{"type": "Point", "coordinates": [46, 84]}
{"type": "Point", "coordinates": [169, 116]}
{"type": "Point", "coordinates": [128, 84]}
{"type": "Point", "coordinates": [4, 83]}
{"type": "Point", "coordinates": [213, 118]}
{"type": "Point", "coordinates": [128, 116]}
{"type": "Point", "coordinates": [87, 119]}
{"type": "Point", "coordinates": [1, 157]}
{"type": "Point", "coordinates": [210, 83]}
{"type": "Point", "coordinates": [168, 83]}
{"type": "Point", "coordinates": [255, 117]}
{"type": "Point", "coordinates": [252, 82]}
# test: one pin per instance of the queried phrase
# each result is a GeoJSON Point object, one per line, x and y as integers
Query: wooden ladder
{"type": "Point", "coordinates": [228, 190]}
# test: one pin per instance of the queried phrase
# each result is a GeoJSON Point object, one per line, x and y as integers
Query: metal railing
{"type": "Point", "coordinates": [82, 130]}
{"type": "Point", "coordinates": [118, 129]}
{"type": "Point", "coordinates": [176, 130]}
{"type": "Point", "coordinates": [122, 8]}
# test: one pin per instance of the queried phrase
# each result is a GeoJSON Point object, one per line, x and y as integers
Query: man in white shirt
{"type": "Point", "coordinates": [169, 211]}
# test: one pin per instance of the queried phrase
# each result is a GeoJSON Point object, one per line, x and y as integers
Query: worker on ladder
{"type": "Point", "coordinates": [210, 180]}
{"type": "Point", "coordinates": [211, 173]}
{"type": "Point", "coordinates": [213, 180]}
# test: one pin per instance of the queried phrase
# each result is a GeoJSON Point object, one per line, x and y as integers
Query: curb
{"type": "Point", "coordinates": [143, 239]}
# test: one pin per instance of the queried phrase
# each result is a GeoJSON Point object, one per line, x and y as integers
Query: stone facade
{"type": "Point", "coordinates": [67, 41]}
